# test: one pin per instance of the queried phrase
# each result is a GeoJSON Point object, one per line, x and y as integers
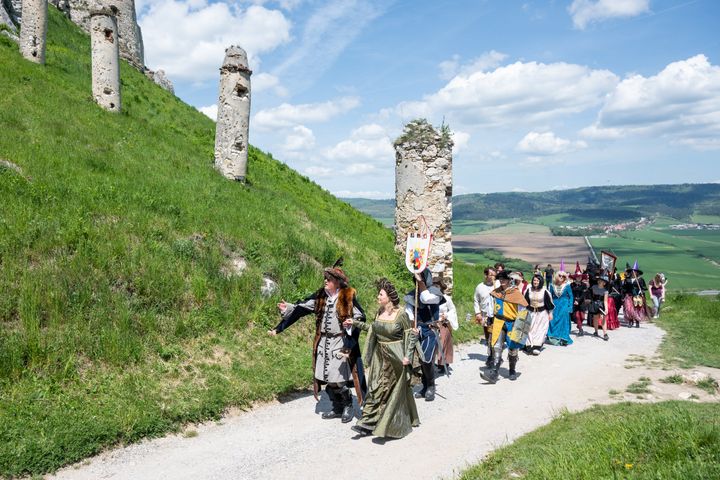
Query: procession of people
{"type": "Point", "coordinates": [410, 340]}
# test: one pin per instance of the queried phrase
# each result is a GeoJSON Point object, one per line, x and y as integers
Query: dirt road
{"type": "Point", "coordinates": [467, 420]}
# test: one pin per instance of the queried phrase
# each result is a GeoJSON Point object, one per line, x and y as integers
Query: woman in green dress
{"type": "Point", "coordinates": [389, 409]}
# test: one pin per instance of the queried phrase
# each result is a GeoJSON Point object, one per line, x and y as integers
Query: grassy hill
{"type": "Point", "coordinates": [116, 319]}
{"type": "Point", "coordinates": [700, 202]}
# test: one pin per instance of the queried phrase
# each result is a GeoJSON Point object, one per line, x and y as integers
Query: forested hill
{"type": "Point", "coordinates": [586, 204]}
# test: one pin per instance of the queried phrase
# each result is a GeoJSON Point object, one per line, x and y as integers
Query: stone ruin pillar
{"type": "Point", "coordinates": [33, 30]}
{"type": "Point", "coordinates": [233, 118]}
{"type": "Point", "coordinates": [105, 56]}
{"type": "Point", "coordinates": [423, 186]}
{"type": "Point", "coordinates": [131, 42]}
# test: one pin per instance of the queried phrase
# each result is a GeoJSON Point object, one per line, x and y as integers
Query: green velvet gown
{"type": "Point", "coordinates": [389, 409]}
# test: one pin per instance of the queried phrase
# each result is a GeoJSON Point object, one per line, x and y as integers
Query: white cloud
{"type": "Point", "coordinates": [593, 132]}
{"type": "Point", "coordinates": [301, 138]}
{"type": "Point", "coordinates": [486, 61]}
{"type": "Point", "coordinates": [460, 141]}
{"type": "Point", "coordinates": [369, 142]}
{"type": "Point", "coordinates": [317, 171]}
{"type": "Point", "coordinates": [284, 4]}
{"type": "Point", "coordinates": [681, 103]}
{"type": "Point", "coordinates": [373, 194]}
{"type": "Point", "coordinates": [264, 81]}
{"type": "Point", "coordinates": [516, 93]}
{"type": "Point", "coordinates": [188, 38]}
{"type": "Point", "coordinates": [584, 12]}
{"type": "Point", "coordinates": [539, 144]}
{"type": "Point", "coordinates": [359, 168]}
{"type": "Point", "coordinates": [288, 115]}
{"type": "Point", "coordinates": [211, 111]}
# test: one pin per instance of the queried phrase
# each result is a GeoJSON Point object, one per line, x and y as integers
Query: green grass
{"type": "Point", "coordinates": [692, 336]}
{"type": "Point", "coordinates": [667, 440]}
{"type": "Point", "coordinates": [467, 227]}
{"type": "Point", "coordinates": [641, 386]}
{"type": "Point", "coordinates": [489, 257]}
{"type": "Point", "coordinates": [116, 321]}
{"type": "Point", "coordinates": [674, 379]}
{"type": "Point", "coordinates": [699, 218]}
{"type": "Point", "coordinates": [709, 384]}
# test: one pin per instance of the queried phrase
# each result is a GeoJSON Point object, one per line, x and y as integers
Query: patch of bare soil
{"type": "Point", "coordinates": [536, 249]}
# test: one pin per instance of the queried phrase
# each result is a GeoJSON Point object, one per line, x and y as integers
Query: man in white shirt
{"type": "Point", "coordinates": [485, 308]}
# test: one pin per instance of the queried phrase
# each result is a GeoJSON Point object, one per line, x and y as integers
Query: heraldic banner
{"type": "Point", "coordinates": [417, 248]}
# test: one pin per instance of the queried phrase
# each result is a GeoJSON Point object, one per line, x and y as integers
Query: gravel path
{"type": "Point", "coordinates": [289, 440]}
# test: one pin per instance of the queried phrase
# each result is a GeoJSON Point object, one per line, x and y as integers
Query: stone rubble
{"type": "Point", "coordinates": [6, 18]}
{"type": "Point", "coordinates": [423, 186]}
{"type": "Point", "coordinates": [161, 79]}
{"type": "Point", "coordinates": [269, 287]}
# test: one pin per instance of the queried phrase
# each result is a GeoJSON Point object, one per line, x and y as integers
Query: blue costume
{"type": "Point", "coordinates": [559, 330]}
{"type": "Point", "coordinates": [428, 312]}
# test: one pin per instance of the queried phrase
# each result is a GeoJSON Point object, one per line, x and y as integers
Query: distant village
{"type": "Point", "coordinates": [599, 230]}
{"type": "Point", "coordinates": [695, 226]}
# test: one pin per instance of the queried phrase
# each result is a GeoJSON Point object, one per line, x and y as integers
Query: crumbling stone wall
{"type": "Point", "coordinates": [13, 9]}
{"type": "Point", "coordinates": [5, 15]}
{"type": "Point", "coordinates": [233, 120]}
{"type": "Point", "coordinates": [423, 186]}
{"type": "Point", "coordinates": [105, 56]}
{"type": "Point", "coordinates": [33, 30]}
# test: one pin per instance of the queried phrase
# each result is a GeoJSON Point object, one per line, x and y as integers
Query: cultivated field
{"type": "Point", "coordinates": [532, 243]}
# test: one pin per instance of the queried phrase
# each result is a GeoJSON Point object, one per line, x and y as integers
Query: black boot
{"type": "Point", "coordinates": [513, 361]}
{"type": "Point", "coordinates": [430, 394]}
{"type": "Point", "coordinates": [348, 412]}
{"type": "Point", "coordinates": [337, 406]}
{"type": "Point", "coordinates": [491, 374]}
{"type": "Point", "coordinates": [490, 359]}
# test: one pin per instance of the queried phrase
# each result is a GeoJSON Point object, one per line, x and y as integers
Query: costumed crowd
{"type": "Point", "coordinates": [412, 343]}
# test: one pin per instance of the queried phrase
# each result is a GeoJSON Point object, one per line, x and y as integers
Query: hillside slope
{"type": "Point", "coordinates": [116, 319]}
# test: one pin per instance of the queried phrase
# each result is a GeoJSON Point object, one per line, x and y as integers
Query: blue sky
{"type": "Point", "coordinates": [539, 94]}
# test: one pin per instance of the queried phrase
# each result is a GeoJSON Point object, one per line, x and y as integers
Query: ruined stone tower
{"type": "Point", "coordinates": [423, 186]}
{"type": "Point", "coordinates": [130, 38]}
{"type": "Point", "coordinates": [105, 56]}
{"type": "Point", "coordinates": [233, 119]}
{"type": "Point", "coordinates": [33, 30]}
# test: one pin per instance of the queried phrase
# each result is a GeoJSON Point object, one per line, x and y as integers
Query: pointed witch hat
{"type": "Point", "coordinates": [636, 267]}
{"type": "Point", "coordinates": [578, 271]}
{"type": "Point", "coordinates": [562, 267]}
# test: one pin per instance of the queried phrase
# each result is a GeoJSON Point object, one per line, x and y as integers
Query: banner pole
{"type": "Point", "coordinates": [416, 303]}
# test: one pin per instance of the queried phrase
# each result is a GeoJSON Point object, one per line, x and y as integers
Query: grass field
{"type": "Point", "coordinates": [692, 335]}
{"type": "Point", "coordinates": [690, 258]}
{"type": "Point", "coordinates": [698, 218]}
{"type": "Point", "coordinates": [669, 440]}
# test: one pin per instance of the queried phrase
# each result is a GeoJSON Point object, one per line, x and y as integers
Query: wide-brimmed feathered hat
{"type": "Point", "coordinates": [336, 273]}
